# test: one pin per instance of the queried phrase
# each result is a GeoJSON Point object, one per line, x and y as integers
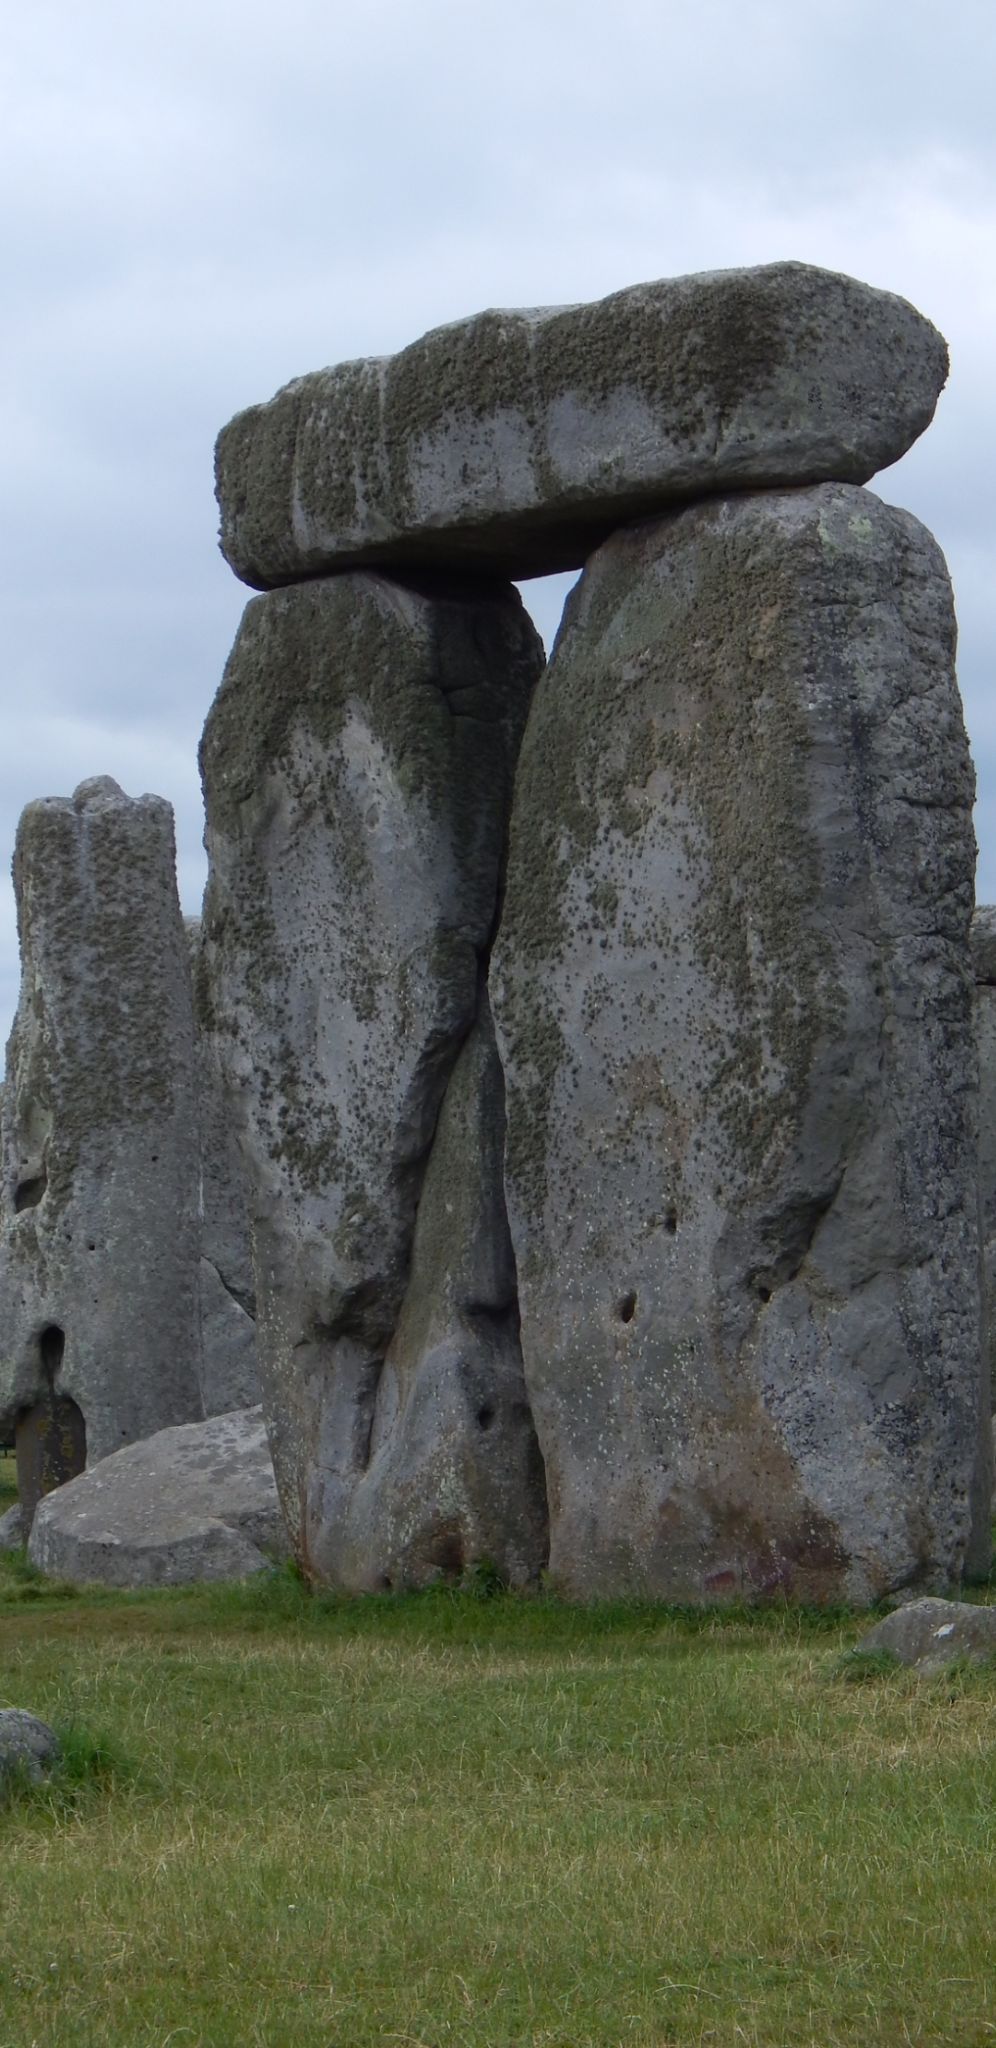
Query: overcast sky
{"type": "Point", "coordinates": [202, 199]}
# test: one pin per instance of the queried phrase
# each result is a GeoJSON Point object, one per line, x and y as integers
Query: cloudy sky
{"type": "Point", "coordinates": [204, 198]}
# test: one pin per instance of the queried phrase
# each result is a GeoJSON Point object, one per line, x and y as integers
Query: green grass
{"type": "Point", "coordinates": [300, 1822]}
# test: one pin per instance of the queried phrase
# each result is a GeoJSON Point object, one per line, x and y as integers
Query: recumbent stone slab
{"type": "Point", "coordinates": [514, 442]}
{"type": "Point", "coordinates": [191, 1503]}
{"type": "Point", "coordinates": [357, 769]}
{"type": "Point", "coordinates": [733, 1005]}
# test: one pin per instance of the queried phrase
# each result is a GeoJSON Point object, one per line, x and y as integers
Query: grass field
{"type": "Point", "coordinates": [452, 1819]}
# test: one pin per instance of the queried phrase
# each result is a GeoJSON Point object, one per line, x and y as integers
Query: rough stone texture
{"type": "Point", "coordinates": [357, 768]}
{"type": "Point", "coordinates": [196, 1502]}
{"type": "Point", "coordinates": [13, 1529]}
{"type": "Point", "coordinates": [733, 1006]}
{"type": "Point", "coordinates": [229, 1376]}
{"type": "Point", "coordinates": [98, 1198]}
{"type": "Point", "coordinates": [515, 442]}
{"type": "Point", "coordinates": [455, 1473]}
{"type": "Point", "coordinates": [984, 961]}
{"type": "Point", "coordinates": [26, 1744]}
{"type": "Point", "coordinates": [932, 1633]}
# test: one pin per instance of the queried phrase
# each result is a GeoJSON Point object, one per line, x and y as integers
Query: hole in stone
{"type": "Point", "coordinates": [28, 1193]}
{"type": "Point", "coordinates": [671, 1222]}
{"type": "Point", "coordinates": [51, 1346]}
{"type": "Point", "coordinates": [50, 1443]}
{"type": "Point", "coordinates": [485, 1415]}
{"type": "Point", "coordinates": [627, 1308]}
{"type": "Point", "coordinates": [446, 1553]}
{"type": "Point", "coordinates": [764, 1293]}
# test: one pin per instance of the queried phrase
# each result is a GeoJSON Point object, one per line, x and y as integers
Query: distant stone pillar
{"type": "Point", "coordinates": [98, 1198]}
{"type": "Point", "coordinates": [734, 1009]}
{"type": "Point", "coordinates": [357, 769]}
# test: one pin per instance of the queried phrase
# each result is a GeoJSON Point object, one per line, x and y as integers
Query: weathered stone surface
{"type": "Point", "coordinates": [229, 1377]}
{"type": "Point", "coordinates": [455, 1476]}
{"type": "Point", "coordinates": [932, 1633]}
{"type": "Point", "coordinates": [98, 1199]}
{"type": "Point", "coordinates": [195, 1502]}
{"type": "Point", "coordinates": [515, 442]}
{"type": "Point", "coordinates": [984, 961]}
{"type": "Point", "coordinates": [26, 1744]}
{"type": "Point", "coordinates": [733, 1005]}
{"type": "Point", "coordinates": [357, 767]}
{"type": "Point", "coordinates": [13, 1528]}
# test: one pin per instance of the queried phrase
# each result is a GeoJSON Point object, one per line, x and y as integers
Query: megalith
{"type": "Point", "coordinates": [984, 964]}
{"type": "Point", "coordinates": [229, 1378]}
{"type": "Point", "coordinates": [512, 443]}
{"type": "Point", "coordinates": [733, 1004]}
{"type": "Point", "coordinates": [357, 768]}
{"type": "Point", "coordinates": [98, 1195]}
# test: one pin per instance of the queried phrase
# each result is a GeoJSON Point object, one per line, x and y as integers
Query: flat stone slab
{"type": "Point", "coordinates": [26, 1744]}
{"type": "Point", "coordinates": [191, 1503]}
{"type": "Point", "coordinates": [514, 442]}
{"type": "Point", "coordinates": [932, 1633]}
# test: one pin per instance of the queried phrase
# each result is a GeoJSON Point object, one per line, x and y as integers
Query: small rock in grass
{"type": "Point", "coordinates": [13, 1531]}
{"type": "Point", "coordinates": [27, 1743]}
{"type": "Point", "coordinates": [928, 1634]}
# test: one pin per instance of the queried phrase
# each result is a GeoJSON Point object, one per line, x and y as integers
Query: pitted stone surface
{"type": "Point", "coordinates": [357, 769]}
{"type": "Point", "coordinates": [229, 1378]}
{"type": "Point", "coordinates": [733, 1006]}
{"type": "Point", "coordinates": [455, 1476]}
{"type": "Point", "coordinates": [98, 1199]}
{"type": "Point", "coordinates": [515, 442]}
{"type": "Point", "coordinates": [196, 1502]}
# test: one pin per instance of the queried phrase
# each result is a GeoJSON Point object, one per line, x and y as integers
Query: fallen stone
{"type": "Point", "coordinates": [27, 1745]}
{"type": "Point", "coordinates": [733, 1006]}
{"type": "Point", "coordinates": [513, 443]}
{"type": "Point", "coordinates": [229, 1376]}
{"type": "Point", "coordinates": [98, 1194]}
{"type": "Point", "coordinates": [929, 1634]}
{"type": "Point", "coordinates": [357, 768]}
{"type": "Point", "coordinates": [193, 1503]}
{"type": "Point", "coordinates": [13, 1531]}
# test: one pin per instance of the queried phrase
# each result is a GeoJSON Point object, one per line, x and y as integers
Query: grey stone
{"type": "Point", "coordinates": [229, 1376]}
{"type": "Point", "coordinates": [455, 1476]}
{"type": "Point", "coordinates": [357, 768]}
{"type": "Point", "coordinates": [13, 1530]}
{"type": "Point", "coordinates": [984, 961]}
{"type": "Point", "coordinates": [98, 1194]}
{"type": "Point", "coordinates": [26, 1744]}
{"type": "Point", "coordinates": [515, 442]}
{"type": "Point", "coordinates": [192, 1503]}
{"type": "Point", "coordinates": [929, 1634]}
{"type": "Point", "coordinates": [733, 1006]}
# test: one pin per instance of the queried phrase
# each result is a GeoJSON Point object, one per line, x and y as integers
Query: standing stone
{"type": "Point", "coordinates": [229, 1377]}
{"type": "Point", "coordinates": [455, 1473]}
{"type": "Point", "coordinates": [98, 1200]}
{"type": "Point", "coordinates": [514, 442]}
{"type": "Point", "coordinates": [984, 962]}
{"type": "Point", "coordinates": [357, 770]}
{"type": "Point", "coordinates": [733, 1005]}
